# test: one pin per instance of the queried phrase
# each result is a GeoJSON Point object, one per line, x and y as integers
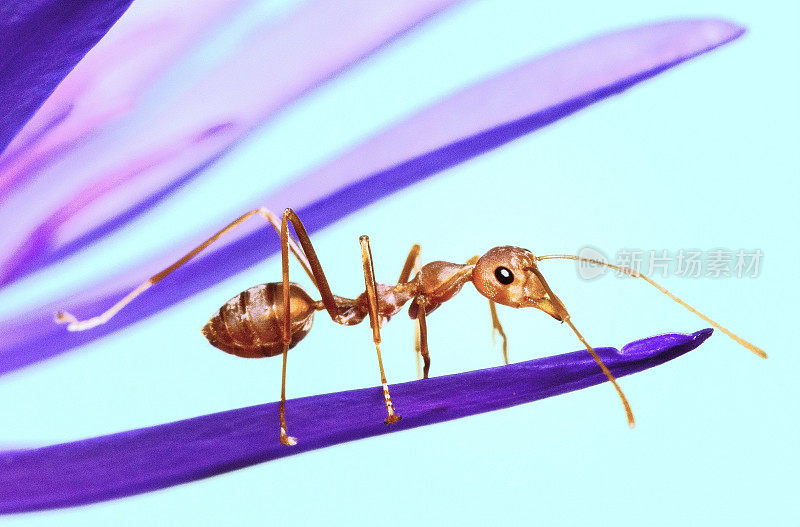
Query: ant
{"type": "Point", "coordinates": [256, 323]}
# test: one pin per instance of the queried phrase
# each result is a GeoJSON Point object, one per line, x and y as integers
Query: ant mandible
{"type": "Point", "coordinates": [254, 323]}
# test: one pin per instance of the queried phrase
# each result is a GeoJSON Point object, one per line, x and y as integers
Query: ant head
{"type": "Point", "coordinates": [509, 276]}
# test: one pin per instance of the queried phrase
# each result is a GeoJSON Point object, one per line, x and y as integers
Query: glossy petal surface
{"type": "Point", "coordinates": [108, 84]}
{"type": "Point", "coordinates": [40, 42]}
{"type": "Point", "coordinates": [143, 460]}
{"type": "Point", "coordinates": [119, 152]}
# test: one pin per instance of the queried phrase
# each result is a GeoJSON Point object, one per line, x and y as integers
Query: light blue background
{"type": "Point", "coordinates": [704, 156]}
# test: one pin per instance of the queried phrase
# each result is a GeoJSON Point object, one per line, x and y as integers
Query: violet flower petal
{"type": "Point", "coordinates": [147, 459]}
{"type": "Point", "coordinates": [107, 83]}
{"type": "Point", "coordinates": [465, 125]}
{"type": "Point", "coordinates": [151, 155]}
{"type": "Point", "coordinates": [188, 145]}
{"type": "Point", "coordinates": [40, 42]}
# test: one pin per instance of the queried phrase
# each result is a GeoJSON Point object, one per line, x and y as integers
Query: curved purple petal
{"type": "Point", "coordinates": [40, 42]}
{"type": "Point", "coordinates": [463, 126]}
{"type": "Point", "coordinates": [151, 153]}
{"type": "Point", "coordinates": [106, 85]}
{"type": "Point", "coordinates": [147, 459]}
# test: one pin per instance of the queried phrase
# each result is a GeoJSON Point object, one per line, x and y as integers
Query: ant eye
{"type": "Point", "coordinates": [503, 275]}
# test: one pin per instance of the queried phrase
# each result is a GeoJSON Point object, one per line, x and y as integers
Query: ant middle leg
{"type": "Point", "coordinates": [375, 322]}
{"type": "Point", "coordinates": [412, 265]}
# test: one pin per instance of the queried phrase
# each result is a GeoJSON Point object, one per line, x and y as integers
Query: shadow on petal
{"type": "Point", "coordinates": [137, 461]}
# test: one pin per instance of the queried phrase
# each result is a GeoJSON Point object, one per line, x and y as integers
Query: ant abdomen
{"type": "Point", "coordinates": [249, 325]}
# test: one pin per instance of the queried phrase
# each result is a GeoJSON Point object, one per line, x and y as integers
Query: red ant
{"type": "Point", "coordinates": [254, 323]}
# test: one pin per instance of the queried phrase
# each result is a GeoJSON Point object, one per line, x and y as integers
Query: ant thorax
{"type": "Point", "coordinates": [438, 282]}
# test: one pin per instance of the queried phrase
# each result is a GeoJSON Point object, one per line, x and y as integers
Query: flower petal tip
{"type": "Point", "coordinates": [702, 335]}
{"type": "Point", "coordinates": [673, 343]}
{"type": "Point", "coordinates": [723, 30]}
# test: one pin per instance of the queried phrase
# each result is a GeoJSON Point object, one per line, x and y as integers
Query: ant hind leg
{"type": "Point", "coordinates": [286, 332]}
{"type": "Point", "coordinates": [63, 317]}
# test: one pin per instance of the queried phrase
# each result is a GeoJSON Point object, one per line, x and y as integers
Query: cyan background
{"type": "Point", "coordinates": [704, 156]}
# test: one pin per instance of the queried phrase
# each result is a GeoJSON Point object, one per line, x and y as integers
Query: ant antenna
{"type": "Point", "coordinates": [635, 274]}
{"type": "Point", "coordinates": [565, 317]}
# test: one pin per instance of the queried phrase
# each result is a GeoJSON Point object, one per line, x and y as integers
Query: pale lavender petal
{"type": "Point", "coordinates": [467, 124]}
{"type": "Point", "coordinates": [494, 112]}
{"type": "Point", "coordinates": [282, 62]}
{"type": "Point", "coordinates": [107, 83]}
{"type": "Point", "coordinates": [108, 467]}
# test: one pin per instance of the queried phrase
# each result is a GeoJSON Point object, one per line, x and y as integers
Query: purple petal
{"type": "Point", "coordinates": [185, 124]}
{"type": "Point", "coordinates": [467, 124]}
{"type": "Point", "coordinates": [147, 459]}
{"type": "Point", "coordinates": [106, 85]}
{"type": "Point", "coordinates": [40, 42]}
{"type": "Point", "coordinates": [153, 151]}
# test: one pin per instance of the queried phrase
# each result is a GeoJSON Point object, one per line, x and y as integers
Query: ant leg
{"type": "Point", "coordinates": [413, 265]}
{"type": "Point", "coordinates": [315, 268]}
{"type": "Point", "coordinates": [423, 336]}
{"type": "Point", "coordinates": [286, 332]}
{"type": "Point", "coordinates": [80, 325]}
{"type": "Point", "coordinates": [375, 322]}
{"type": "Point", "coordinates": [421, 331]}
{"type": "Point", "coordinates": [286, 439]}
{"type": "Point", "coordinates": [497, 328]}
{"type": "Point", "coordinates": [417, 348]}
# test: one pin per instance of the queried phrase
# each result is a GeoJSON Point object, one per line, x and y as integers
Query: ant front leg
{"type": "Point", "coordinates": [422, 343]}
{"type": "Point", "coordinates": [497, 328]}
{"type": "Point", "coordinates": [375, 322]}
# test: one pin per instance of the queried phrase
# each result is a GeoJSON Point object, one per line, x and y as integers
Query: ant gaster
{"type": "Point", "coordinates": [255, 324]}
